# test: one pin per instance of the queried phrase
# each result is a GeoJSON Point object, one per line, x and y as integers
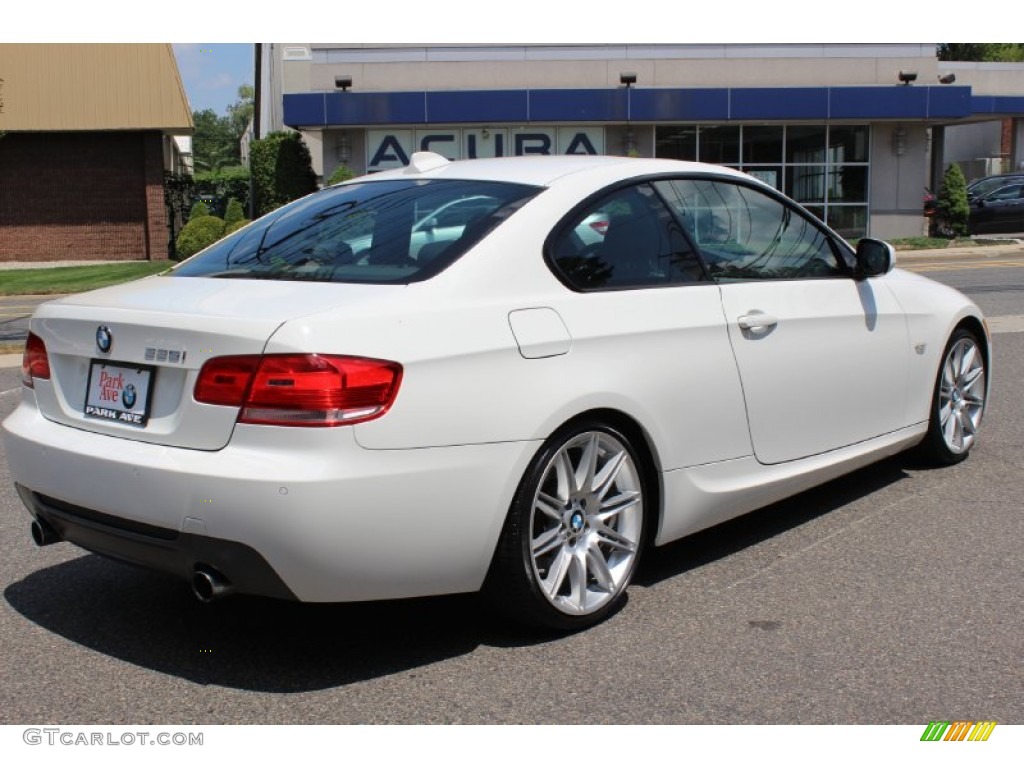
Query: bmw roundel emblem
{"type": "Point", "coordinates": [104, 338]}
{"type": "Point", "coordinates": [128, 396]}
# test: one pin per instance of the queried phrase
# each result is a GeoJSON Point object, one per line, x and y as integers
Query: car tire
{"type": "Point", "coordinates": [958, 400]}
{"type": "Point", "coordinates": [574, 533]}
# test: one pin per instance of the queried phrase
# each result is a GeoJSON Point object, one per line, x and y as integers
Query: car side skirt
{"type": "Point", "coordinates": [700, 497]}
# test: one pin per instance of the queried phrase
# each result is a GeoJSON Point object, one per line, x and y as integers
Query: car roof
{"type": "Point", "coordinates": [543, 170]}
{"type": "Point", "coordinates": [1003, 176]}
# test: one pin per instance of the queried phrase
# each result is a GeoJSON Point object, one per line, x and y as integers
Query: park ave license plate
{"type": "Point", "coordinates": [119, 393]}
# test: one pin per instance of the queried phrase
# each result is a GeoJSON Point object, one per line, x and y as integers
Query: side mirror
{"type": "Point", "coordinates": [874, 257]}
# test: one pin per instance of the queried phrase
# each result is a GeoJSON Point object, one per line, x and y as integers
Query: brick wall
{"type": "Point", "coordinates": [81, 196]}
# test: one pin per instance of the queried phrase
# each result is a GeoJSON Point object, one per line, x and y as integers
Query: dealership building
{"type": "Point", "coordinates": [853, 132]}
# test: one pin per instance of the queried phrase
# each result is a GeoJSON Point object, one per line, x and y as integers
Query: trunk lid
{"type": "Point", "coordinates": [161, 330]}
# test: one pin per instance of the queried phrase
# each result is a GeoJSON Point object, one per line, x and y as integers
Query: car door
{"type": "Point", "coordinates": [822, 357]}
{"type": "Point", "coordinates": [646, 327]}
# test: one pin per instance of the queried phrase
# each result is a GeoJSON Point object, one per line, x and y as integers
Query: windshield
{"type": "Point", "coordinates": [984, 186]}
{"type": "Point", "coordinates": [384, 232]}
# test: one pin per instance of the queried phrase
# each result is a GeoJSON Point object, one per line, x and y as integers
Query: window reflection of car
{"type": "Point", "coordinates": [1001, 210]}
{"type": "Point", "coordinates": [444, 226]}
{"type": "Point", "coordinates": [981, 187]}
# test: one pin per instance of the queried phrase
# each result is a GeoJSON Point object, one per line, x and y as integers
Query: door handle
{"type": "Point", "coordinates": [757, 321]}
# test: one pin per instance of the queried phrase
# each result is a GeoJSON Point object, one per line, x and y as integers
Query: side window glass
{"type": "Point", "coordinates": [744, 234]}
{"type": "Point", "coordinates": [627, 239]}
{"type": "Point", "coordinates": [1007, 193]}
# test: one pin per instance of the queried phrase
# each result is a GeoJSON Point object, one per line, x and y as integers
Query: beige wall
{"type": "Point", "coordinates": [988, 78]}
{"type": "Point", "coordinates": [897, 183]}
{"type": "Point", "coordinates": [395, 68]}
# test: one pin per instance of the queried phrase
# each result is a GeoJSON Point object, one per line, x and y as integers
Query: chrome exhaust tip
{"type": "Point", "coordinates": [43, 534]}
{"type": "Point", "coordinates": [208, 585]}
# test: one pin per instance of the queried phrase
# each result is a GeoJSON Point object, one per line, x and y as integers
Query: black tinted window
{"type": "Point", "coordinates": [627, 239]}
{"type": "Point", "coordinates": [371, 232]}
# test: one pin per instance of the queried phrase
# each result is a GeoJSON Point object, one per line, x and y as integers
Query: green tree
{"type": "Point", "coordinates": [240, 113]}
{"type": "Point", "coordinates": [952, 205]}
{"type": "Point", "coordinates": [234, 212]}
{"type": "Point", "coordinates": [282, 170]}
{"type": "Point", "coordinates": [980, 51]}
{"type": "Point", "coordinates": [214, 143]}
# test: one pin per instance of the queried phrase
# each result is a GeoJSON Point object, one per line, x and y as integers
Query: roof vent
{"type": "Point", "coordinates": [422, 162]}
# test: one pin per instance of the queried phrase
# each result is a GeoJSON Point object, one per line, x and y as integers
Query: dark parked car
{"type": "Point", "coordinates": [999, 210]}
{"type": "Point", "coordinates": [983, 186]}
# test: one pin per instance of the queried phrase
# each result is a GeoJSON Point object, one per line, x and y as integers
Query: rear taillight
{"type": "Point", "coordinates": [300, 390]}
{"type": "Point", "coordinates": [34, 363]}
{"type": "Point", "coordinates": [225, 380]}
{"type": "Point", "coordinates": [601, 226]}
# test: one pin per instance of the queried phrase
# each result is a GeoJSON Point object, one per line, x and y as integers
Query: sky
{"type": "Point", "coordinates": [212, 73]}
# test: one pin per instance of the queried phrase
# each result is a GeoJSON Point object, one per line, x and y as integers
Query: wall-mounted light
{"type": "Point", "coordinates": [344, 82]}
{"type": "Point", "coordinates": [344, 148]}
{"type": "Point", "coordinates": [899, 141]}
{"type": "Point", "coordinates": [947, 79]}
{"type": "Point", "coordinates": [907, 77]}
{"type": "Point", "coordinates": [629, 143]}
{"type": "Point", "coordinates": [628, 79]}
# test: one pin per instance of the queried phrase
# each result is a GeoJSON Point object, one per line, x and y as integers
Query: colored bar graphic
{"type": "Point", "coordinates": [934, 730]}
{"type": "Point", "coordinates": [958, 730]}
{"type": "Point", "coordinates": [982, 731]}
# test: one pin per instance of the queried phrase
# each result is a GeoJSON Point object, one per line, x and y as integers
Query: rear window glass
{"type": "Point", "coordinates": [385, 232]}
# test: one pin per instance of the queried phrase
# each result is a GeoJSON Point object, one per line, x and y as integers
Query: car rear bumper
{"type": "Point", "coordinates": [285, 512]}
{"type": "Point", "coordinates": [164, 549]}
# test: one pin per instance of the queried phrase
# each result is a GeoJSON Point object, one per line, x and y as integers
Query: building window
{"type": "Point", "coordinates": [824, 168]}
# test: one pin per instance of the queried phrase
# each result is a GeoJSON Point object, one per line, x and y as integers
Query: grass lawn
{"type": "Point", "coordinates": [20, 282]}
{"type": "Point", "coordinates": [928, 243]}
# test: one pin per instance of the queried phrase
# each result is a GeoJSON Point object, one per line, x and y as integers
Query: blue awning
{"type": "Point", "coordinates": [611, 105]}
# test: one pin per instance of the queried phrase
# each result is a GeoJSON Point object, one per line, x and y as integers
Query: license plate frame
{"type": "Point", "coordinates": [119, 392]}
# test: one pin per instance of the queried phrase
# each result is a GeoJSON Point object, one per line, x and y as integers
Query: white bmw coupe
{"type": "Point", "coordinates": [355, 399]}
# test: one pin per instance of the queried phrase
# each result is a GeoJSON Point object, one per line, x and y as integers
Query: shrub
{"type": "Point", "coordinates": [199, 233]}
{"type": "Point", "coordinates": [233, 213]}
{"type": "Point", "coordinates": [234, 225]}
{"type": "Point", "coordinates": [225, 183]}
{"type": "Point", "coordinates": [282, 170]}
{"type": "Point", "coordinates": [952, 203]}
{"type": "Point", "coordinates": [341, 173]}
{"type": "Point", "coordinates": [199, 208]}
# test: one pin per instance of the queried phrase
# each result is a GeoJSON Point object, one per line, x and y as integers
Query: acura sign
{"type": "Point", "coordinates": [392, 148]}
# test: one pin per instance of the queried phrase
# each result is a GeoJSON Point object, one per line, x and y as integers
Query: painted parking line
{"type": "Point", "coordinates": [1006, 324]}
{"type": "Point", "coordinates": [954, 266]}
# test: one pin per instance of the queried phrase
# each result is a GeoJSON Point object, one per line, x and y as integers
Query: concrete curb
{"type": "Point", "coordinates": [972, 250]}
